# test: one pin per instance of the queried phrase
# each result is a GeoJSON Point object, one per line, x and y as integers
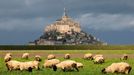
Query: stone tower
{"type": "Point", "coordinates": [64, 25]}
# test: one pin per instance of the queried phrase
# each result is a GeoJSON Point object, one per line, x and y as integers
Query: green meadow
{"type": "Point", "coordinates": [89, 67]}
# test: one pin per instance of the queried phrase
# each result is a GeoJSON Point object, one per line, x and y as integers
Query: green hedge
{"type": "Point", "coordinates": [66, 47]}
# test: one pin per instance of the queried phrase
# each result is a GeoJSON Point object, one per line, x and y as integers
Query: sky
{"type": "Point", "coordinates": [111, 21]}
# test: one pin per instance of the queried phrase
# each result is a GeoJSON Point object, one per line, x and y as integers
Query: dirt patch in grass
{"type": "Point", "coordinates": [59, 55]}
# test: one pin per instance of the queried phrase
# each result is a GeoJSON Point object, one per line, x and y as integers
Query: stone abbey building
{"type": "Point", "coordinates": [64, 25]}
{"type": "Point", "coordinates": [65, 31]}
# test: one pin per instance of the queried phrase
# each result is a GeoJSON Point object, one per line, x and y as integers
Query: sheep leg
{"type": "Point", "coordinates": [75, 66]}
{"type": "Point", "coordinates": [7, 67]}
{"type": "Point", "coordinates": [38, 68]}
{"type": "Point", "coordinates": [63, 70]}
{"type": "Point", "coordinates": [54, 67]}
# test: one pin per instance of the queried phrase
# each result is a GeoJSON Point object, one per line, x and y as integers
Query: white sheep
{"type": "Point", "coordinates": [50, 63]}
{"type": "Point", "coordinates": [7, 58]}
{"type": "Point", "coordinates": [124, 57]}
{"type": "Point", "coordinates": [79, 65]}
{"type": "Point", "coordinates": [88, 56]}
{"type": "Point", "coordinates": [8, 54]}
{"type": "Point", "coordinates": [121, 67]}
{"type": "Point", "coordinates": [98, 55]}
{"type": "Point", "coordinates": [17, 65]}
{"type": "Point", "coordinates": [29, 65]}
{"type": "Point", "coordinates": [13, 65]}
{"type": "Point", "coordinates": [66, 65]}
{"type": "Point", "coordinates": [67, 56]}
{"type": "Point", "coordinates": [98, 60]}
{"type": "Point", "coordinates": [51, 56]}
{"type": "Point", "coordinates": [25, 55]}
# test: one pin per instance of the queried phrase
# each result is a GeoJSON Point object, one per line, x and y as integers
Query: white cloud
{"type": "Point", "coordinates": [107, 21]}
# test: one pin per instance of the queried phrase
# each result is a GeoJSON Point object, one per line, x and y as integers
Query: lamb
{"type": "Point", "coordinates": [67, 65]}
{"type": "Point", "coordinates": [88, 56]}
{"type": "Point", "coordinates": [51, 56]}
{"type": "Point", "coordinates": [67, 56]}
{"type": "Point", "coordinates": [79, 65]}
{"type": "Point", "coordinates": [121, 67]}
{"type": "Point", "coordinates": [50, 63]}
{"type": "Point", "coordinates": [124, 57]}
{"type": "Point", "coordinates": [25, 55]}
{"type": "Point", "coordinates": [8, 57]}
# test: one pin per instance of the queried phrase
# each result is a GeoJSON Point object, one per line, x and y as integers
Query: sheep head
{"type": "Point", "coordinates": [38, 59]}
{"type": "Point", "coordinates": [103, 70]}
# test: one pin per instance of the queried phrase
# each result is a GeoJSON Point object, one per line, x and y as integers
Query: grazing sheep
{"type": "Point", "coordinates": [79, 65]}
{"type": "Point", "coordinates": [67, 56]}
{"type": "Point", "coordinates": [51, 56]}
{"type": "Point", "coordinates": [13, 65]}
{"type": "Point", "coordinates": [88, 56]}
{"type": "Point", "coordinates": [121, 67]}
{"type": "Point", "coordinates": [8, 54]}
{"type": "Point", "coordinates": [7, 57]}
{"type": "Point", "coordinates": [124, 57]}
{"type": "Point", "coordinates": [38, 57]}
{"type": "Point", "coordinates": [98, 60]}
{"type": "Point", "coordinates": [29, 65]}
{"type": "Point", "coordinates": [67, 65]}
{"type": "Point", "coordinates": [98, 55]}
{"type": "Point", "coordinates": [25, 55]}
{"type": "Point", "coordinates": [50, 63]}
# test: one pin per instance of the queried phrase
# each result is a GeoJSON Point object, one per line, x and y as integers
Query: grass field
{"type": "Point", "coordinates": [88, 69]}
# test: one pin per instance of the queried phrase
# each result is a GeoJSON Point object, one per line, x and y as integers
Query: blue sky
{"type": "Point", "coordinates": [111, 21]}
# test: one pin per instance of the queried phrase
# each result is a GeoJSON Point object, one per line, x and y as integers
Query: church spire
{"type": "Point", "coordinates": [65, 12]}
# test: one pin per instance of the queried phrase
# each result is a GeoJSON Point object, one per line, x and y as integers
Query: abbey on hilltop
{"type": "Point", "coordinates": [65, 31]}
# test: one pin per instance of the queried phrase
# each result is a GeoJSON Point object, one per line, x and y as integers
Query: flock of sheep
{"type": "Point", "coordinates": [66, 65]}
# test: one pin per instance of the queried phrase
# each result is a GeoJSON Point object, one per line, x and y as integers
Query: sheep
{"type": "Point", "coordinates": [124, 57]}
{"type": "Point", "coordinates": [38, 57]}
{"type": "Point", "coordinates": [50, 63]}
{"type": "Point", "coordinates": [67, 56]}
{"type": "Point", "coordinates": [8, 54]}
{"type": "Point", "coordinates": [88, 56]}
{"type": "Point", "coordinates": [51, 56]}
{"type": "Point", "coordinates": [67, 65]}
{"type": "Point", "coordinates": [98, 55]}
{"type": "Point", "coordinates": [98, 60]}
{"type": "Point", "coordinates": [12, 65]}
{"type": "Point", "coordinates": [7, 57]}
{"type": "Point", "coordinates": [120, 67]}
{"type": "Point", "coordinates": [79, 65]}
{"type": "Point", "coordinates": [25, 55]}
{"type": "Point", "coordinates": [29, 65]}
